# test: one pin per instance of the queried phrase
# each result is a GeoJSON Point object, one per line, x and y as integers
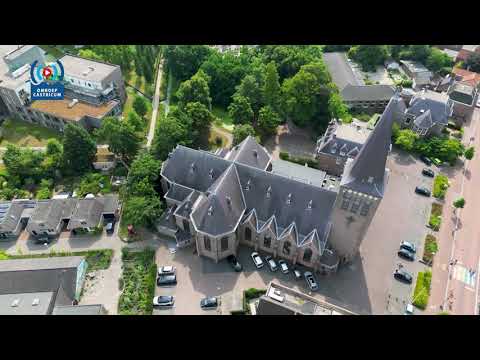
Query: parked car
{"type": "Point", "coordinates": [426, 160]}
{"type": "Point", "coordinates": [163, 301]}
{"type": "Point", "coordinates": [478, 102]}
{"type": "Point", "coordinates": [406, 254]}
{"type": "Point", "coordinates": [437, 161]}
{"type": "Point", "coordinates": [402, 275]}
{"type": "Point", "coordinates": [283, 266]}
{"type": "Point", "coordinates": [209, 303]}
{"type": "Point", "coordinates": [167, 280]}
{"type": "Point", "coordinates": [234, 262]}
{"type": "Point", "coordinates": [110, 227]}
{"type": "Point", "coordinates": [43, 239]}
{"type": "Point", "coordinates": [271, 263]}
{"type": "Point", "coordinates": [257, 260]}
{"type": "Point", "coordinates": [311, 282]}
{"type": "Point", "coordinates": [297, 273]}
{"type": "Point", "coordinates": [428, 172]}
{"type": "Point", "coordinates": [409, 309]}
{"type": "Point", "coordinates": [422, 191]}
{"type": "Point", "coordinates": [408, 246]}
{"type": "Point", "coordinates": [166, 270]}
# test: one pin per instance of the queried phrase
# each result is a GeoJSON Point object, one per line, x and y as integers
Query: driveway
{"type": "Point", "coordinates": [292, 139]}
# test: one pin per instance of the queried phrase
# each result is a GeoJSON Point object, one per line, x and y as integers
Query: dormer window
{"type": "Point", "coordinates": [229, 201]}
{"type": "Point", "coordinates": [370, 179]}
{"type": "Point", "coordinates": [269, 192]}
{"type": "Point", "coordinates": [210, 173]}
{"type": "Point", "coordinates": [192, 167]}
{"type": "Point", "coordinates": [210, 211]}
{"type": "Point", "coordinates": [247, 186]}
{"type": "Point", "coordinates": [255, 153]}
{"type": "Point", "coordinates": [309, 206]}
{"type": "Point", "coordinates": [289, 199]}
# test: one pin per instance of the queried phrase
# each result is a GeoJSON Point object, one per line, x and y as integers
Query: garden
{"type": "Point", "coordinates": [430, 248]}
{"type": "Point", "coordinates": [299, 160]}
{"type": "Point", "coordinates": [435, 217]}
{"type": "Point", "coordinates": [137, 282]}
{"type": "Point", "coordinates": [248, 296]}
{"type": "Point", "coordinates": [421, 293]}
{"type": "Point", "coordinates": [440, 186]}
{"type": "Point", "coordinates": [22, 133]}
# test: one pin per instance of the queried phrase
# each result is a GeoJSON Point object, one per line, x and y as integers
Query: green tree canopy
{"type": "Point", "coordinates": [142, 210]}
{"type": "Point", "coordinates": [438, 60]}
{"type": "Point", "coordinates": [268, 120]}
{"type": "Point", "coordinates": [459, 203]}
{"type": "Point", "coordinates": [369, 56]}
{"type": "Point", "coordinates": [145, 166]}
{"type": "Point", "coordinates": [135, 121]}
{"type": "Point", "coordinates": [469, 153]}
{"type": "Point", "coordinates": [195, 89]}
{"type": "Point", "coordinates": [240, 110]}
{"type": "Point", "coordinates": [473, 62]}
{"type": "Point", "coordinates": [337, 108]}
{"type": "Point", "coordinates": [120, 136]}
{"type": "Point", "coordinates": [406, 139]}
{"type": "Point", "coordinates": [140, 105]}
{"type": "Point", "coordinates": [240, 132]}
{"type": "Point", "coordinates": [22, 164]}
{"type": "Point", "coordinates": [271, 90]}
{"type": "Point", "coordinates": [200, 116]}
{"type": "Point", "coordinates": [79, 149]}
{"type": "Point", "coordinates": [251, 90]}
{"type": "Point", "coordinates": [172, 130]}
{"type": "Point", "coordinates": [185, 60]}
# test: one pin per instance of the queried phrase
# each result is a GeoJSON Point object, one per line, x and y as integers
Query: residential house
{"type": "Point", "coordinates": [90, 213]}
{"type": "Point", "coordinates": [281, 300]}
{"type": "Point", "coordinates": [391, 65]}
{"type": "Point", "coordinates": [222, 202]}
{"type": "Point", "coordinates": [104, 160]}
{"type": "Point", "coordinates": [467, 50]}
{"type": "Point", "coordinates": [93, 89]}
{"type": "Point", "coordinates": [427, 113]}
{"type": "Point", "coordinates": [339, 143]}
{"type": "Point", "coordinates": [14, 216]}
{"type": "Point", "coordinates": [367, 98]}
{"type": "Point", "coordinates": [463, 97]}
{"type": "Point", "coordinates": [42, 286]}
{"type": "Point", "coordinates": [50, 216]}
{"type": "Point", "coordinates": [440, 83]}
{"type": "Point", "coordinates": [419, 74]}
{"type": "Point", "coordinates": [468, 77]}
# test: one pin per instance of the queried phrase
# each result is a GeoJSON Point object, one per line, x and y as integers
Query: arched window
{"type": "Point", "coordinates": [267, 241]}
{"type": "Point", "coordinates": [186, 225]}
{"type": "Point", "coordinates": [206, 243]}
{"type": "Point", "coordinates": [248, 234]}
{"type": "Point", "coordinates": [224, 243]}
{"type": "Point", "coordinates": [307, 255]}
{"type": "Point", "coordinates": [286, 248]}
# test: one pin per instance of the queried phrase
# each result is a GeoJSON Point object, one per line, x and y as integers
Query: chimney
{"type": "Point", "coordinates": [289, 199]}
{"type": "Point", "coordinates": [309, 206]}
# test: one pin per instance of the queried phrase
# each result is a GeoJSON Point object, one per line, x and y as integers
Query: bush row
{"type": "Point", "coordinates": [422, 289]}
{"type": "Point", "coordinates": [298, 160]}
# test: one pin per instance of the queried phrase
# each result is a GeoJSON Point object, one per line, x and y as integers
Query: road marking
{"type": "Point", "coordinates": [461, 273]}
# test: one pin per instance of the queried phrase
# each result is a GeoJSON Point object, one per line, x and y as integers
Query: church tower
{"type": "Point", "coordinates": [362, 188]}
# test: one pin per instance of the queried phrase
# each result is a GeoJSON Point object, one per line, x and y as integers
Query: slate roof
{"type": "Point", "coordinates": [185, 208]}
{"type": "Point", "coordinates": [340, 70]}
{"type": "Point", "coordinates": [298, 172]}
{"type": "Point", "coordinates": [178, 192]}
{"type": "Point", "coordinates": [441, 109]}
{"type": "Point", "coordinates": [366, 173]}
{"type": "Point", "coordinates": [367, 92]}
{"type": "Point", "coordinates": [10, 216]}
{"type": "Point", "coordinates": [249, 152]}
{"type": "Point", "coordinates": [424, 121]}
{"type": "Point", "coordinates": [346, 139]}
{"type": "Point", "coordinates": [51, 213]}
{"type": "Point", "coordinates": [221, 208]}
{"type": "Point", "coordinates": [79, 310]}
{"type": "Point", "coordinates": [87, 213]}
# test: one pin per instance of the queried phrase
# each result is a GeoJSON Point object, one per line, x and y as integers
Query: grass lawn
{"type": "Point", "coordinates": [91, 184]}
{"type": "Point", "coordinates": [224, 119]}
{"type": "Point", "coordinates": [96, 259]}
{"type": "Point", "coordinates": [137, 282]}
{"type": "Point", "coordinates": [22, 133]}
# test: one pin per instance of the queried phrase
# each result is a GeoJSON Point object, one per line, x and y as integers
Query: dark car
{"type": "Point", "coordinates": [408, 246]}
{"type": "Point", "coordinates": [402, 275]}
{"type": "Point", "coordinates": [167, 280]}
{"type": "Point", "coordinates": [426, 160]}
{"type": "Point", "coordinates": [422, 191]}
{"type": "Point", "coordinates": [404, 253]}
{"type": "Point", "coordinates": [43, 239]}
{"type": "Point", "coordinates": [209, 303]}
{"type": "Point", "coordinates": [163, 301]}
{"type": "Point", "coordinates": [110, 227]}
{"type": "Point", "coordinates": [234, 262]}
{"type": "Point", "coordinates": [428, 172]}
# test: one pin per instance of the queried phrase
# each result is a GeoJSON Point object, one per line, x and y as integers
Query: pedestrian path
{"type": "Point", "coordinates": [464, 275]}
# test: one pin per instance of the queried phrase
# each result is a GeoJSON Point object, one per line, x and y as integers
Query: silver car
{"type": "Point", "coordinates": [311, 282]}
{"type": "Point", "coordinates": [283, 266]}
{"type": "Point", "coordinates": [257, 260]}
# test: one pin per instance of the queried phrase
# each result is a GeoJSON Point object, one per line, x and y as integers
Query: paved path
{"type": "Point", "coordinates": [455, 287]}
{"type": "Point", "coordinates": [156, 101]}
{"type": "Point", "coordinates": [225, 133]}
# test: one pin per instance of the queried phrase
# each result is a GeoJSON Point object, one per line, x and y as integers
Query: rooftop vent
{"type": "Point", "coordinates": [35, 302]}
{"type": "Point", "coordinates": [309, 206]}
{"type": "Point", "coordinates": [192, 167]}
{"type": "Point", "coordinates": [370, 179]}
{"type": "Point", "coordinates": [249, 183]}
{"type": "Point", "coordinates": [422, 111]}
{"type": "Point", "coordinates": [289, 199]}
{"type": "Point", "coordinates": [255, 153]}
{"type": "Point", "coordinates": [72, 103]}
{"type": "Point", "coordinates": [15, 302]}
{"type": "Point", "coordinates": [269, 192]}
{"type": "Point", "coordinates": [210, 173]}
{"type": "Point", "coordinates": [210, 210]}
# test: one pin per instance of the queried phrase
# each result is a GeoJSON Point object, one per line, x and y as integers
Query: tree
{"type": "Point", "coordinates": [52, 161]}
{"type": "Point", "coordinates": [120, 136]}
{"type": "Point", "coordinates": [145, 166]}
{"type": "Point", "coordinates": [459, 203]}
{"type": "Point", "coordinates": [268, 120]}
{"type": "Point", "coordinates": [438, 60]}
{"type": "Point", "coordinates": [469, 153]}
{"type": "Point", "coordinates": [185, 60]}
{"type": "Point", "coordinates": [135, 121]}
{"type": "Point", "coordinates": [337, 108]}
{"type": "Point", "coordinates": [141, 210]}
{"type": "Point", "coordinates": [22, 164]}
{"type": "Point", "coordinates": [271, 89]}
{"type": "Point", "coordinates": [472, 63]}
{"type": "Point", "coordinates": [240, 110]}
{"type": "Point", "coordinates": [195, 90]}
{"type": "Point", "coordinates": [200, 116]}
{"type": "Point", "coordinates": [250, 89]}
{"type": "Point", "coordinates": [406, 139]}
{"type": "Point", "coordinates": [419, 53]}
{"type": "Point", "coordinates": [170, 132]}
{"type": "Point", "coordinates": [240, 133]}
{"type": "Point", "coordinates": [140, 105]}
{"type": "Point", "coordinates": [79, 150]}
{"type": "Point", "coordinates": [336, 48]}
{"type": "Point", "coordinates": [369, 56]}
{"type": "Point", "coordinates": [89, 54]}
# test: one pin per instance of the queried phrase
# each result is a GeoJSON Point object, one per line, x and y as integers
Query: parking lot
{"type": "Point", "coordinates": [364, 286]}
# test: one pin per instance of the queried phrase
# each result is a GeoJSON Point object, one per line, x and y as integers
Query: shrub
{"type": "Point", "coordinates": [440, 186]}
{"type": "Point", "coordinates": [430, 248]}
{"type": "Point", "coordinates": [459, 203]}
{"type": "Point", "coordinates": [469, 153]}
{"type": "Point", "coordinates": [435, 222]}
{"type": "Point", "coordinates": [422, 289]}
{"type": "Point", "coordinates": [284, 155]}
{"type": "Point", "coordinates": [44, 193]}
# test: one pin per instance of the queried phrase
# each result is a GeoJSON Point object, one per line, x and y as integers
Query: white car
{"type": "Point", "coordinates": [163, 301]}
{"type": "Point", "coordinates": [257, 260]}
{"type": "Point", "coordinates": [166, 270]}
{"type": "Point", "coordinates": [271, 263]}
{"type": "Point", "coordinates": [311, 282]}
{"type": "Point", "coordinates": [283, 266]}
{"type": "Point", "coordinates": [478, 102]}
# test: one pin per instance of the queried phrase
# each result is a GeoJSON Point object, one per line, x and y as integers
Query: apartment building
{"type": "Point", "coordinates": [93, 89]}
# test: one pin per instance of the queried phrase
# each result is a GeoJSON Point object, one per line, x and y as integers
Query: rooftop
{"type": "Point", "coordinates": [468, 77]}
{"type": "Point", "coordinates": [34, 303]}
{"type": "Point", "coordinates": [298, 172]}
{"type": "Point", "coordinates": [79, 310]}
{"type": "Point", "coordinates": [48, 263]}
{"type": "Point", "coordinates": [60, 108]}
{"type": "Point", "coordinates": [367, 92]}
{"type": "Point", "coordinates": [86, 69]}
{"type": "Point", "coordinates": [340, 70]}
{"type": "Point", "coordinates": [414, 67]}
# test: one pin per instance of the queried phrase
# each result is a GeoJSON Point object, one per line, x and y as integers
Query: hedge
{"type": "Point", "coordinates": [430, 247]}
{"type": "Point", "coordinates": [298, 160]}
{"type": "Point", "coordinates": [422, 289]}
{"type": "Point", "coordinates": [440, 186]}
